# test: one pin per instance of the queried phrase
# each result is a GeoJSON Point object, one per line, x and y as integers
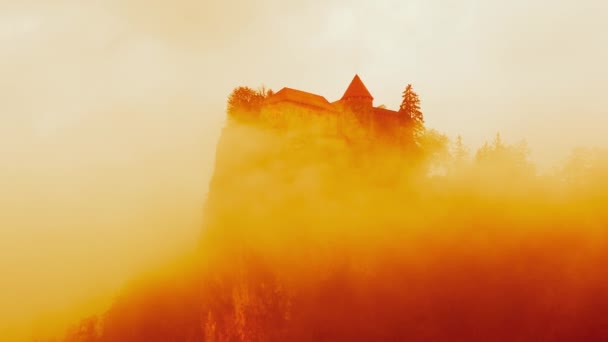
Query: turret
{"type": "Point", "coordinates": [357, 97]}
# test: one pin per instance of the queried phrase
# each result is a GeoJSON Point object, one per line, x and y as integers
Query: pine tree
{"type": "Point", "coordinates": [410, 111]}
{"type": "Point", "coordinates": [461, 152]}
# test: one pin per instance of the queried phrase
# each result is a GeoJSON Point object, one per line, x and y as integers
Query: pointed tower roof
{"type": "Point", "coordinates": [357, 89]}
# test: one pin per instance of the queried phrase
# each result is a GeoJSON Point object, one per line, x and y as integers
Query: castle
{"type": "Point", "coordinates": [353, 116]}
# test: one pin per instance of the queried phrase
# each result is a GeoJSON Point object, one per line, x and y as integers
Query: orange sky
{"type": "Point", "coordinates": [109, 110]}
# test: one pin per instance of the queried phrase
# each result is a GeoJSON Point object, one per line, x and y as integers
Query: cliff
{"type": "Point", "coordinates": [312, 235]}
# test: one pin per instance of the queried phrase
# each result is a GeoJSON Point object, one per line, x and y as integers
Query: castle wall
{"type": "Point", "coordinates": [300, 118]}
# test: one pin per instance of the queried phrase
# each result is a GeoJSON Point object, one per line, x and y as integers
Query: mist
{"type": "Point", "coordinates": [107, 144]}
{"type": "Point", "coordinates": [306, 232]}
{"type": "Point", "coordinates": [110, 111]}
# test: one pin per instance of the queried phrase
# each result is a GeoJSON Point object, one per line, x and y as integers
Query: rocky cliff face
{"type": "Point", "coordinates": [269, 176]}
{"type": "Point", "coordinates": [328, 240]}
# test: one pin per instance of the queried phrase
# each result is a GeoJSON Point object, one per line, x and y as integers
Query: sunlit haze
{"type": "Point", "coordinates": [110, 112]}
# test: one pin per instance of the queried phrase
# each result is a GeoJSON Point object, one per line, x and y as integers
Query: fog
{"type": "Point", "coordinates": [110, 111]}
{"type": "Point", "coordinates": [306, 233]}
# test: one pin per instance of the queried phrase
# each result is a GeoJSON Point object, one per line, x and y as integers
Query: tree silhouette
{"type": "Point", "coordinates": [245, 102]}
{"type": "Point", "coordinates": [461, 153]}
{"type": "Point", "coordinates": [410, 111]}
{"type": "Point", "coordinates": [434, 147]}
{"type": "Point", "coordinates": [586, 167]}
{"type": "Point", "coordinates": [506, 160]}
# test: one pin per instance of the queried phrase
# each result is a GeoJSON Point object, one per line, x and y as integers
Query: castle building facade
{"type": "Point", "coordinates": [353, 116]}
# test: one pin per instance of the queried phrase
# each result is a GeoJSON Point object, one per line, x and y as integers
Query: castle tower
{"type": "Point", "coordinates": [357, 105]}
{"type": "Point", "coordinates": [357, 97]}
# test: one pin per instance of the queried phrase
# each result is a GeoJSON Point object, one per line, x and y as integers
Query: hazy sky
{"type": "Point", "coordinates": [109, 110]}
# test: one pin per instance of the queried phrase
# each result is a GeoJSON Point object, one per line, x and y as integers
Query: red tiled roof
{"type": "Point", "coordinates": [299, 97]}
{"type": "Point", "coordinates": [357, 89]}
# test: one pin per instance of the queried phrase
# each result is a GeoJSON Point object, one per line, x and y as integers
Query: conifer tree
{"type": "Point", "coordinates": [410, 111]}
{"type": "Point", "coordinates": [461, 152]}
